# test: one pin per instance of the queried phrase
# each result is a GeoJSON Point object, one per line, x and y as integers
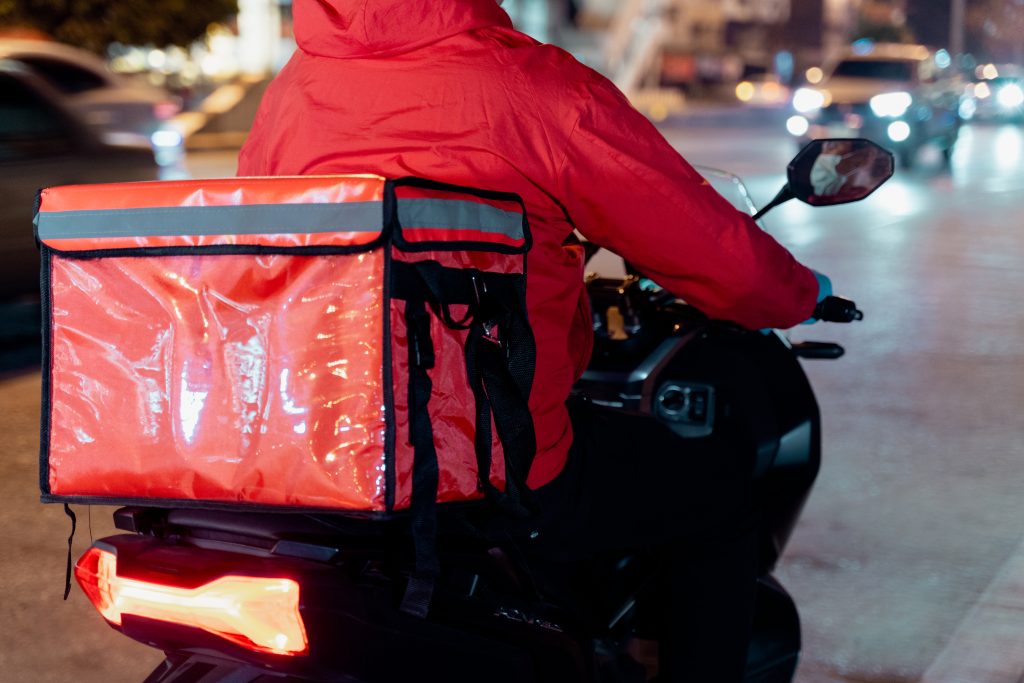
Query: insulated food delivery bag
{"type": "Point", "coordinates": [325, 343]}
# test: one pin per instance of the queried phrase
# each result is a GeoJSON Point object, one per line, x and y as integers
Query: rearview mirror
{"type": "Point", "coordinates": [830, 172]}
{"type": "Point", "coordinates": [834, 171]}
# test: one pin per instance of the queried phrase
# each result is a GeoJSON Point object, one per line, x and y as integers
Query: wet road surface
{"type": "Point", "coordinates": [908, 563]}
{"type": "Point", "coordinates": [902, 562]}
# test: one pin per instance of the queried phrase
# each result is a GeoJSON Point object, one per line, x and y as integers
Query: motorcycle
{"type": "Point", "coordinates": [247, 597]}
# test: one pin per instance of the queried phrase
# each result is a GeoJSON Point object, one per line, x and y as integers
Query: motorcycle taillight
{"type": "Point", "coordinates": [258, 613]}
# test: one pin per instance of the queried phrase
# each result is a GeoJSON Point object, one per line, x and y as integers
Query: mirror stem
{"type": "Point", "coordinates": [784, 195]}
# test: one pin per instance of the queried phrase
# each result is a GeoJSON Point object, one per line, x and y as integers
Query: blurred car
{"type": "Point", "coordinates": [998, 95]}
{"type": "Point", "coordinates": [43, 143]}
{"type": "Point", "coordinates": [121, 109]}
{"type": "Point", "coordinates": [900, 96]}
{"type": "Point", "coordinates": [762, 90]}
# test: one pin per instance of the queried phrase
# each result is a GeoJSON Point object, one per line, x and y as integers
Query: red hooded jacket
{"type": "Point", "coordinates": [447, 90]}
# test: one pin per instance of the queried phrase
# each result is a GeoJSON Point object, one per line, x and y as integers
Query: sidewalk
{"type": "Point", "coordinates": [708, 112]}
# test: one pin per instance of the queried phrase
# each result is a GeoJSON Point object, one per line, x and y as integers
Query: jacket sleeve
{"type": "Point", "coordinates": [628, 190]}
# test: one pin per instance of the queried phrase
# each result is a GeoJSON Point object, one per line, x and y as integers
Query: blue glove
{"type": "Point", "coordinates": [824, 291]}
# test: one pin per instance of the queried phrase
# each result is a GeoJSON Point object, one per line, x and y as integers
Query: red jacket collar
{"type": "Point", "coordinates": [362, 28]}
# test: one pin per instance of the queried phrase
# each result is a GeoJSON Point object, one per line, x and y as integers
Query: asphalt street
{"type": "Point", "coordinates": [908, 564]}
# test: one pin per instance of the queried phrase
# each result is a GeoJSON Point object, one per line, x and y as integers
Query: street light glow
{"type": "Point", "coordinates": [1010, 96]}
{"type": "Point", "coordinates": [745, 91]}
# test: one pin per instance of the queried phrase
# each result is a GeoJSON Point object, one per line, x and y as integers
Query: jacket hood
{"type": "Point", "coordinates": [361, 28]}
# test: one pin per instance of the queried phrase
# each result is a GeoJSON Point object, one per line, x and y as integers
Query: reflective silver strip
{"type": "Point", "coordinates": [250, 219]}
{"type": "Point", "coordinates": [459, 215]}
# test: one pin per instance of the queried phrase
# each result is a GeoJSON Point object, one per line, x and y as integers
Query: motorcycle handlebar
{"type": "Point", "coordinates": [835, 309]}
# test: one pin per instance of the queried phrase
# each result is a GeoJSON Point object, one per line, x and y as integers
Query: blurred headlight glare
{"type": "Point", "coordinates": [899, 131]}
{"type": "Point", "coordinates": [968, 108]}
{"type": "Point", "coordinates": [797, 126]}
{"type": "Point", "coordinates": [806, 100]}
{"type": "Point", "coordinates": [773, 93]}
{"type": "Point", "coordinates": [891, 104]}
{"type": "Point", "coordinates": [166, 138]}
{"type": "Point", "coordinates": [1010, 96]}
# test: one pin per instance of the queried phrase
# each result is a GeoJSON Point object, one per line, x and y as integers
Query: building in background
{"type": "Point", "coordinates": [699, 44]}
{"type": "Point", "coordinates": [838, 21]}
{"type": "Point", "coordinates": [263, 36]}
{"type": "Point", "coordinates": [259, 36]}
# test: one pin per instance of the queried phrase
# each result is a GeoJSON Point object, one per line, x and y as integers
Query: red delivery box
{"type": "Point", "coordinates": [315, 343]}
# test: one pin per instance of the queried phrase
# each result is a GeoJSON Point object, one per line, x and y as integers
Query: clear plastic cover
{"type": "Point", "coordinates": [234, 378]}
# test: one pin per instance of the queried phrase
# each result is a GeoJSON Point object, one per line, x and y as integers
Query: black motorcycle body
{"type": "Point", "coordinates": [489, 619]}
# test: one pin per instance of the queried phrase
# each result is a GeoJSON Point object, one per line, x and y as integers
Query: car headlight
{"type": "Point", "coordinates": [1011, 96]}
{"type": "Point", "coordinates": [798, 126]}
{"type": "Point", "coordinates": [899, 131]}
{"type": "Point", "coordinates": [166, 137]}
{"type": "Point", "coordinates": [807, 100]}
{"type": "Point", "coordinates": [892, 104]}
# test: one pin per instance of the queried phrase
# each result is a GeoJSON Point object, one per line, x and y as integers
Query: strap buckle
{"type": "Point", "coordinates": [491, 332]}
{"type": "Point", "coordinates": [490, 328]}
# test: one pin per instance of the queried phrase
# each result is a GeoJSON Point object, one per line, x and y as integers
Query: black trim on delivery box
{"type": "Point", "coordinates": [415, 247]}
{"type": "Point", "coordinates": [442, 245]}
{"type": "Point", "coordinates": [243, 506]}
{"type": "Point", "coordinates": [234, 505]}
{"type": "Point", "coordinates": [35, 216]}
{"type": "Point", "coordinates": [219, 250]}
{"type": "Point", "coordinates": [46, 402]}
{"type": "Point", "coordinates": [390, 222]}
{"type": "Point", "coordinates": [423, 183]}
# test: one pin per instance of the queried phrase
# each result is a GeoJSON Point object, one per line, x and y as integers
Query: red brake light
{"type": "Point", "coordinates": [165, 110]}
{"type": "Point", "coordinates": [260, 614]}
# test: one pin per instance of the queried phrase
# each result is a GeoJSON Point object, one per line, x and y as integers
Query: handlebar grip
{"type": "Point", "coordinates": [835, 309]}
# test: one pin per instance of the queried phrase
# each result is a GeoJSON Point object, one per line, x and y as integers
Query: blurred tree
{"type": "Point", "coordinates": [94, 24]}
{"type": "Point", "coordinates": [884, 21]}
{"type": "Point", "coordinates": [883, 32]}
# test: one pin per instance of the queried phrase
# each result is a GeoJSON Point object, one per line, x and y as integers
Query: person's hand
{"type": "Point", "coordinates": [824, 286]}
{"type": "Point", "coordinates": [824, 291]}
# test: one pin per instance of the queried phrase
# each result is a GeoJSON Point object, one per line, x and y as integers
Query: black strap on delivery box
{"type": "Point", "coordinates": [500, 359]}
